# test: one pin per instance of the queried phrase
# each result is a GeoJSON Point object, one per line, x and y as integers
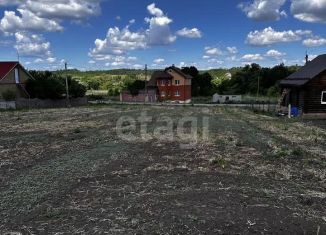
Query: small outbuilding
{"type": "Point", "coordinates": [306, 88]}
{"type": "Point", "coordinates": [13, 78]}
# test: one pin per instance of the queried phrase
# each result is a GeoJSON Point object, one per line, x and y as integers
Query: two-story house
{"type": "Point", "coordinates": [171, 85]}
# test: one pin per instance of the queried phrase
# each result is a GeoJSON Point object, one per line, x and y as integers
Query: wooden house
{"type": "Point", "coordinates": [306, 88]}
{"type": "Point", "coordinates": [13, 77]}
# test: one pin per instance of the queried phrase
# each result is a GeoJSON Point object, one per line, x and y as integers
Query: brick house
{"type": "Point", "coordinates": [171, 85]}
{"type": "Point", "coordinates": [13, 77]}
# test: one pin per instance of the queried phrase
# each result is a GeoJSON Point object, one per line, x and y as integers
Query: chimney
{"type": "Point", "coordinates": [307, 58]}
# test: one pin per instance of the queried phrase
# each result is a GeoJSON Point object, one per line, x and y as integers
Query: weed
{"type": "Point", "coordinates": [77, 131]}
{"type": "Point", "coordinates": [219, 161]}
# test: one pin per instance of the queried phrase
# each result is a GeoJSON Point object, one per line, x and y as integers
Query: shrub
{"type": "Point", "coordinates": [273, 91]}
{"type": "Point", "coordinates": [9, 95]}
{"type": "Point", "coordinates": [135, 87]}
{"type": "Point", "coordinates": [76, 89]}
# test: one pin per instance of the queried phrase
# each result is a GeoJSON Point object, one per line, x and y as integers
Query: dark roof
{"type": "Point", "coordinates": [311, 70]}
{"type": "Point", "coordinates": [165, 75]}
{"type": "Point", "coordinates": [179, 71]}
{"type": "Point", "coordinates": [6, 67]}
{"type": "Point", "coordinates": [158, 75]}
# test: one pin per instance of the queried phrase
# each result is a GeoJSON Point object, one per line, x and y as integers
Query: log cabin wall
{"type": "Point", "coordinates": [313, 93]}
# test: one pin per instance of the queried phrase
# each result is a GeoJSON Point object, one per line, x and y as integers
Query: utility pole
{"type": "Point", "coordinates": [307, 57]}
{"type": "Point", "coordinates": [146, 91]}
{"type": "Point", "coordinates": [67, 88]}
{"type": "Point", "coordinates": [258, 88]}
{"type": "Point", "coordinates": [18, 56]}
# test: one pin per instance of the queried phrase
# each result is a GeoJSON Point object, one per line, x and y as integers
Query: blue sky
{"type": "Point", "coordinates": [109, 34]}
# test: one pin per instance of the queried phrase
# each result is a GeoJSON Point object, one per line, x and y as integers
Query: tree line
{"type": "Point", "coordinates": [251, 79]}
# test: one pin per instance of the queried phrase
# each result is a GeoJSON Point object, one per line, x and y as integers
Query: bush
{"type": "Point", "coordinates": [76, 89]}
{"type": "Point", "coordinates": [273, 91]}
{"type": "Point", "coordinates": [135, 87]}
{"type": "Point", "coordinates": [9, 95]}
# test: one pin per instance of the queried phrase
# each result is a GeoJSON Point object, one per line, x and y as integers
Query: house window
{"type": "Point", "coordinates": [17, 79]}
{"type": "Point", "coordinates": [162, 82]}
{"type": "Point", "coordinates": [163, 94]}
{"type": "Point", "coordinates": [177, 93]}
{"type": "Point", "coordinates": [177, 82]}
{"type": "Point", "coordinates": [323, 97]}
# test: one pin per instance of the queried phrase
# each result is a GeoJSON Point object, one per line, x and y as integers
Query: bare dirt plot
{"type": "Point", "coordinates": [67, 172]}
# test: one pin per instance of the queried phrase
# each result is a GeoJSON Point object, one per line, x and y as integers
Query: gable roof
{"type": "Point", "coordinates": [311, 70]}
{"type": "Point", "coordinates": [165, 75]}
{"type": "Point", "coordinates": [179, 71]}
{"type": "Point", "coordinates": [6, 67]}
{"type": "Point", "coordinates": [158, 75]}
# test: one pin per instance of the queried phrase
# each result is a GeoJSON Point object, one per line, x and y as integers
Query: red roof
{"type": "Point", "coordinates": [6, 67]}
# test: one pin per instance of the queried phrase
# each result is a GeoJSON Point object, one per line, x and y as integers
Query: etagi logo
{"type": "Point", "coordinates": [187, 130]}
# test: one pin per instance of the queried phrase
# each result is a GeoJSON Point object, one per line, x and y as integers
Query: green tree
{"type": "Point", "coordinates": [47, 85]}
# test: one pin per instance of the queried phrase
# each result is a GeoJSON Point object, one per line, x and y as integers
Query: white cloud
{"type": "Point", "coordinates": [232, 50]}
{"type": "Point", "coordinates": [213, 51]}
{"type": "Point", "coordinates": [116, 61]}
{"type": "Point", "coordinates": [311, 57]}
{"type": "Point", "coordinates": [274, 54]}
{"type": "Point", "coordinates": [314, 42]}
{"type": "Point", "coordinates": [64, 9]}
{"type": "Point", "coordinates": [269, 36]}
{"type": "Point", "coordinates": [159, 32]}
{"type": "Point", "coordinates": [38, 61]}
{"type": "Point", "coordinates": [132, 58]}
{"type": "Point", "coordinates": [215, 61]}
{"type": "Point", "coordinates": [9, 2]}
{"type": "Point", "coordinates": [153, 10]}
{"type": "Point", "coordinates": [33, 45]}
{"type": "Point", "coordinates": [28, 21]}
{"type": "Point", "coordinates": [309, 10]}
{"type": "Point", "coordinates": [159, 61]}
{"type": "Point", "coordinates": [263, 10]}
{"type": "Point", "coordinates": [232, 58]}
{"type": "Point", "coordinates": [190, 33]}
{"type": "Point", "coordinates": [138, 66]}
{"type": "Point", "coordinates": [252, 57]}
{"type": "Point", "coordinates": [51, 60]}
{"type": "Point", "coordinates": [117, 42]}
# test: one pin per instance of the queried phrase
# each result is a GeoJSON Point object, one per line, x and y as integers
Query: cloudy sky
{"type": "Point", "coordinates": [108, 34]}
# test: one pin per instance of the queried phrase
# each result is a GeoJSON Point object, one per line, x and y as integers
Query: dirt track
{"type": "Point", "coordinates": [67, 172]}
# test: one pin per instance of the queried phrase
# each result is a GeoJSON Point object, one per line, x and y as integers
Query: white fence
{"type": "Point", "coordinates": [222, 99]}
{"type": "Point", "coordinates": [39, 104]}
{"type": "Point", "coordinates": [7, 105]}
